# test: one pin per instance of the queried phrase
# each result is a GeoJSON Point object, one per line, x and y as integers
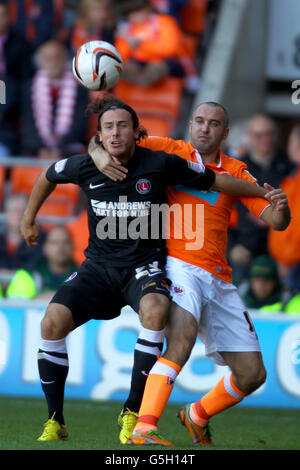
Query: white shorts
{"type": "Point", "coordinates": [224, 323]}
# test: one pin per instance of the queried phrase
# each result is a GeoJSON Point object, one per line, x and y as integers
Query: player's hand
{"type": "Point", "coordinates": [277, 198]}
{"type": "Point", "coordinates": [30, 232]}
{"type": "Point", "coordinates": [110, 166]}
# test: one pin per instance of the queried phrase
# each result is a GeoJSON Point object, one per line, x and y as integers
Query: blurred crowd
{"type": "Point", "coordinates": [163, 44]}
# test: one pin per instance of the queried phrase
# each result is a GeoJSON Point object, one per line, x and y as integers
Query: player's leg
{"type": "Point", "coordinates": [53, 366]}
{"type": "Point", "coordinates": [149, 295]}
{"type": "Point", "coordinates": [230, 340]}
{"type": "Point", "coordinates": [246, 375]}
{"type": "Point", "coordinates": [83, 296]}
{"type": "Point", "coordinates": [181, 331]}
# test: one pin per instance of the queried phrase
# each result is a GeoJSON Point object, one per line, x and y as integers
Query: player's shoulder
{"type": "Point", "coordinates": [166, 144]}
{"type": "Point", "coordinates": [231, 164]}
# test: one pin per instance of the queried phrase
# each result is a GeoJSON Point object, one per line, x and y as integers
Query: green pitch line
{"type": "Point", "coordinates": [93, 426]}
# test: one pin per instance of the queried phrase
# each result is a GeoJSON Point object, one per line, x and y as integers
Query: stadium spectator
{"type": "Point", "coordinates": [264, 286]}
{"type": "Point", "coordinates": [15, 68]}
{"type": "Point", "coordinates": [37, 20]}
{"type": "Point", "coordinates": [285, 246]}
{"type": "Point", "coordinates": [44, 278]}
{"type": "Point", "coordinates": [169, 7]}
{"type": "Point", "coordinates": [149, 44]}
{"type": "Point", "coordinates": [268, 164]}
{"type": "Point", "coordinates": [14, 253]}
{"type": "Point", "coordinates": [53, 106]}
{"type": "Point", "coordinates": [237, 144]}
{"type": "Point", "coordinates": [95, 21]}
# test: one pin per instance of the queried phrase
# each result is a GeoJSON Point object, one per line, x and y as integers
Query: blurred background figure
{"type": "Point", "coordinates": [15, 68]}
{"type": "Point", "coordinates": [149, 44]}
{"type": "Point", "coordinates": [53, 107]}
{"type": "Point", "coordinates": [237, 142]}
{"type": "Point", "coordinates": [37, 20]}
{"type": "Point", "coordinates": [169, 7]}
{"type": "Point", "coordinates": [42, 279]}
{"type": "Point", "coordinates": [263, 287]}
{"type": "Point", "coordinates": [285, 246]}
{"type": "Point", "coordinates": [14, 253]}
{"type": "Point", "coordinates": [269, 165]}
{"type": "Point", "coordinates": [95, 20]}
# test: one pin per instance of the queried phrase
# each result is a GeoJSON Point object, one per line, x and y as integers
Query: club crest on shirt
{"type": "Point", "coordinates": [176, 289]}
{"type": "Point", "coordinates": [143, 186]}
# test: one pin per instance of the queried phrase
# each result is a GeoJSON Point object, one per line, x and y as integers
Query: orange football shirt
{"type": "Point", "coordinates": [208, 212]}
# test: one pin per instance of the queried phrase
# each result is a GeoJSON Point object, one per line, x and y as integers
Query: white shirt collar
{"type": "Point", "coordinates": [199, 158]}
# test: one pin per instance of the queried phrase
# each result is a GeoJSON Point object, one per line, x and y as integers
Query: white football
{"type": "Point", "coordinates": [97, 65]}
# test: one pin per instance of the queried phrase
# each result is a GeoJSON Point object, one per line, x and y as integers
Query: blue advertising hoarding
{"type": "Point", "coordinates": [101, 356]}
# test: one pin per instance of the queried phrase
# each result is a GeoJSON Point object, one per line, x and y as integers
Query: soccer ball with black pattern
{"type": "Point", "coordinates": [97, 65]}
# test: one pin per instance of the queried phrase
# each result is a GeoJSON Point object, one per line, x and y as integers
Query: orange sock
{"type": "Point", "coordinates": [224, 395]}
{"type": "Point", "coordinates": [158, 389]}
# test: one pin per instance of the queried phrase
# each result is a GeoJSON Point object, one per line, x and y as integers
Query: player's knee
{"type": "Point", "coordinates": [57, 322]}
{"type": "Point", "coordinates": [154, 311]}
{"type": "Point", "coordinates": [251, 380]}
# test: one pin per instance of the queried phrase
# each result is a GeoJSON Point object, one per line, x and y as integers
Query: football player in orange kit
{"type": "Point", "coordinates": [204, 300]}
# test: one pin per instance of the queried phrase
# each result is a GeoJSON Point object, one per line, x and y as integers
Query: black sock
{"type": "Point", "coordinates": [53, 370]}
{"type": "Point", "coordinates": [146, 353]}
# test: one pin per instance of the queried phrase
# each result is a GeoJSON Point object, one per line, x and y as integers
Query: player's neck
{"type": "Point", "coordinates": [126, 157]}
{"type": "Point", "coordinates": [211, 158]}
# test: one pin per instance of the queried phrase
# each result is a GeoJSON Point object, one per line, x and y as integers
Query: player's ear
{"type": "Point", "coordinates": [99, 135]}
{"type": "Point", "coordinates": [226, 132]}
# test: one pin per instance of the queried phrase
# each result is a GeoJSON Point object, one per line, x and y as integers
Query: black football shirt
{"type": "Point", "coordinates": [120, 214]}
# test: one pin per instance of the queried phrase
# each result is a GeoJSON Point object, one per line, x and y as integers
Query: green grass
{"type": "Point", "coordinates": [93, 426]}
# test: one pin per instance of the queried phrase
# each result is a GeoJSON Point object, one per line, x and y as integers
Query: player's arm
{"type": "Point", "coordinates": [277, 215]}
{"type": "Point", "coordinates": [62, 171]}
{"type": "Point", "coordinates": [237, 186]}
{"type": "Point", "coordinates": [40, 191]}
{"type": "Point", "coordinates": [198, 176]}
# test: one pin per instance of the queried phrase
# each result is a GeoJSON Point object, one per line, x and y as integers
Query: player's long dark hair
{"type": "Point", "coordinates": [109, 101]}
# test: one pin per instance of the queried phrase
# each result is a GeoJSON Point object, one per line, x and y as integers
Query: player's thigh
{"type": "Point", "coordinates": [186, 289]}
{"type": "Point", "coordinates": [89, 295]}
{"type": "Point", "coordinates": [57, 322]}
{"type": "Point", "coordinates": [181, 334]}
{"type": "Point", "coordinates": [146, 290]}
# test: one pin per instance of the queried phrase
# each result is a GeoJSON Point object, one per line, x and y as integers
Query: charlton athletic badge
{"type": "Point", "coordinates": [143, 186]}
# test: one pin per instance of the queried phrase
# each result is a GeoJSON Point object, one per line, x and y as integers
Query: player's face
{"type": "Point", "coordinates": [117, 133]}
{"type": "Point", "coordinates": [208, 128]}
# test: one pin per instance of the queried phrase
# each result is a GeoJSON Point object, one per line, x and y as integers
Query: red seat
{"type": "Point", "coordinates": [62, 202]}
{"type": "Point", "coordinates": [159, 102]}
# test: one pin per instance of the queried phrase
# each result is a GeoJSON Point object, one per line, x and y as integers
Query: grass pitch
{"type": "Point", "coordinates": [93, 426]}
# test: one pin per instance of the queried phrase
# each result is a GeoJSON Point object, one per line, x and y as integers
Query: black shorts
{"type": "Point", "coordinates": [99, 292]}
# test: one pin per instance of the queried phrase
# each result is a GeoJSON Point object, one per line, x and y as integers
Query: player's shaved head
{"type": "Point", "coordinates": [213, 104]}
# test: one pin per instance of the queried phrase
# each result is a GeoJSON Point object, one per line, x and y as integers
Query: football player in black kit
{"type": "Point", "coordinates": [122, 267]}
